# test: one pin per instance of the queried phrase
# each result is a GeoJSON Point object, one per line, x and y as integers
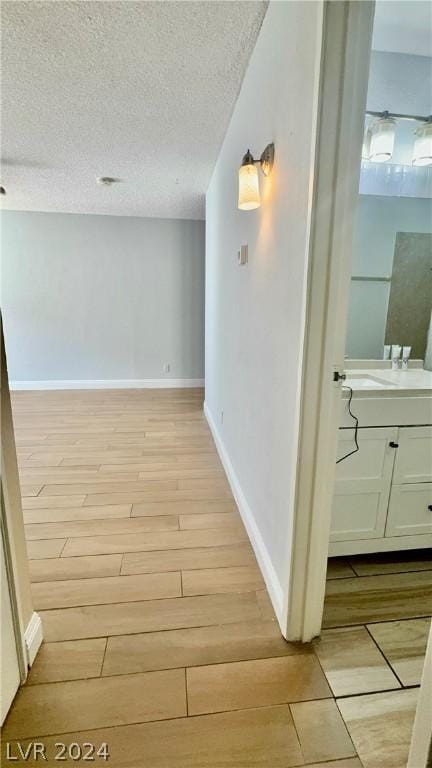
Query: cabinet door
{"type": "Point", "coordinates": [414, 456]}
{"type": "Point", "coordinates": [362, 487]}
{"type": "Point", "coordinates": [410, 510]}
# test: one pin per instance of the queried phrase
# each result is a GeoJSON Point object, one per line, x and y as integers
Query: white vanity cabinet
{"type": "Point", "coordinates": [383, 493]}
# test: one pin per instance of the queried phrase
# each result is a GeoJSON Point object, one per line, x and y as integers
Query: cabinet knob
{"type": "Point", "coordinates": [393, 444]}
{"type": "Point", "coordinates": [430, 507]}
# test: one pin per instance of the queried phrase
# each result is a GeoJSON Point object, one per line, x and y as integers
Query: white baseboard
{"type": "Point", "coordinates": [33, 637]}
{"type": "Point", "coordinates": [260, 549]}
{"type": "Point", "coordinates": [107, 384]}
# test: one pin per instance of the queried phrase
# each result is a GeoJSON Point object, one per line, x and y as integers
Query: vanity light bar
{"type": "Point", "coordinates": [379, 138]}
{"type": "Point", "coordinates": [400, 116]}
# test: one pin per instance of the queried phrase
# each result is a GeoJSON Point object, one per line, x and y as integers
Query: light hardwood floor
{"type": "Point", "coordinates": [160, 639]}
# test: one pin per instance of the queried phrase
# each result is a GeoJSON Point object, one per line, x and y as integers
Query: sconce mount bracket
{"type": "Point", "coordinates": [267, 159]}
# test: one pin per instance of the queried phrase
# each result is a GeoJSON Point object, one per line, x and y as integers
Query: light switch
{"type": "Point", "coordinates": [242, 255]}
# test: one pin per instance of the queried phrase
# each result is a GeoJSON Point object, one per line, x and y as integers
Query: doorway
{"type": "Point", "coordinates": [383, 469]}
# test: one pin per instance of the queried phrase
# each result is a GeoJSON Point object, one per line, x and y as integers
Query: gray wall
{"type": "Point", "coordinates": [102, 297]}
{"type": "Point", "coordinates": [378, 221]}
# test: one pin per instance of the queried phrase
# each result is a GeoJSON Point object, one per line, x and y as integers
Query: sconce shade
{"type": "Point", "coordinates": [249, 194]}
{"type": "Point", "coordinates": [422, 153]}
{"type": "Point", "coordinates": [382, 140]}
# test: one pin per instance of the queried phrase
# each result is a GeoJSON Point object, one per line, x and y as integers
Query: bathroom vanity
{"type": "Point", "coordinates": [383, 492]}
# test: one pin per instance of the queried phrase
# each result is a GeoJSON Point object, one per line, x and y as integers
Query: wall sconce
{"type": "Point", "coordinates": [379, 139]}
{"type": "Point", "coordinates": [422, 153]}
{"type": "Point", "coordinates": [249, 193]}
{"type": "Point", "coordinates": [382, 139]}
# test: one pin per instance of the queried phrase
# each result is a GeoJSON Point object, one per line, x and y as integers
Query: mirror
{"type": "Point", "coordinates": [390, 298]}
{"type": "Point", "coordinates": [391, 284]}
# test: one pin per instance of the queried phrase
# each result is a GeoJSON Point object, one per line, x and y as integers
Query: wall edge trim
{"type": "Point", "coordinates": [260, 549]}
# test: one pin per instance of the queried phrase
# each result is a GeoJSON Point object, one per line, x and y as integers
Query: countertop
{"type": "Point", "coordinates": [414, 382]}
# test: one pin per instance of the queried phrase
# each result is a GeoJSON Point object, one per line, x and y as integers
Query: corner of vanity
{"type": "Point", "coordinates": [383, 492]}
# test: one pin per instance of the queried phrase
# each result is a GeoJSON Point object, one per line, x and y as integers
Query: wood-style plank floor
{"type": "Point", "coordinates": [160, 639]}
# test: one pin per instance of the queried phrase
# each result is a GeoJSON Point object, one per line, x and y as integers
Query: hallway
{"type": "Point", "coordinates": [160, 639]}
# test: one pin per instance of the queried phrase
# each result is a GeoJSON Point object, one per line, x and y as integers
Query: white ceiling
{"type": "Point", "coordinates": [403, 26]}
{"type": "Point", "coordinates": [141, 91]}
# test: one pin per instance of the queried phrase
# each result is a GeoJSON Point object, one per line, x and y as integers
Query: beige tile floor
{"type": "Point", "coordinates": [160, 638]}
{"type": "Point", "coordinates": [390, 596]}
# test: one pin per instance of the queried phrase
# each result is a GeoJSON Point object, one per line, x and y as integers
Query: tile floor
{"type": "Point", "coordinates": [160, 639]}
{"type": "Point", "coordinates": [376, 626]}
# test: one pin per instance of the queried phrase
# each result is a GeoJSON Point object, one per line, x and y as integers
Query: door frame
{"type": "Point", "coordinates": [420, 754]}
{"type": "Point", "coordinates": [19, 632]}
{"type": "Point", "coordinates": [27, 623]}
{"type": "Point", "coordinates": [344, 73]}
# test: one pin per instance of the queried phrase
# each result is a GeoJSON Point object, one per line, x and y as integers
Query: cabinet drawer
{"type": "Point", "coordinates": [413, 462]}
{"type": "Point", "coordinates": [409, 511]}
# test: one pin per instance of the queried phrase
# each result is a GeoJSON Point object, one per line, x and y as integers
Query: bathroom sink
{"type": "Point", "coordinates": [365, 381]}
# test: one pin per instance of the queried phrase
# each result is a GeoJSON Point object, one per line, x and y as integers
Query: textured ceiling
{"type": "Point", "coordinates": [141, 91]}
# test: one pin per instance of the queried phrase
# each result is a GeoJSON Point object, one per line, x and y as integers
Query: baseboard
{"type": "Point", "coordinates": [33, 637]}
{"type": "Point", "coordinates": [260, 549]}
{"type": "Point", "coordinates": [107, 384]}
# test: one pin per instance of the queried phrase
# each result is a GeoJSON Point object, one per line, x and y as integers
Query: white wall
{"type": "Point", "coordinates": [255, 313]}
{"type": "Point", "coordinates": [102, 297]}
